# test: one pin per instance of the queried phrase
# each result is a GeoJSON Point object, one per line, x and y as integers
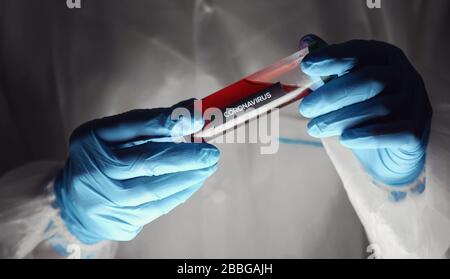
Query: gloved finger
{"type": "Point", "coordinates": [377, 136]}
{"type": "Point", "coordinates": [159, 158]}
{"type": "Point", "coordinates": [312, 41]}
{"type": "Point", "coordinates": [419, 189]}
{"type": "Point", "coordinates": [397, 196]}
{"type": "Point", "coordinates": [339, 59]}
{"type": "Point", "coordinates": [334, 123]}
{"type": "Point", "coordinates": [145, 213]}
{"type": "Point", "coordinates": [347, 90]}
{"type": "Point", "coordinates": [150, 123]}
{"type": "Point", "coordinates": [141, 190]}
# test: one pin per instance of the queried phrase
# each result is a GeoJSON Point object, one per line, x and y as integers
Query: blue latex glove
{"type": "Point", "coordinates": [377, 103]}
{"type": "Point", "coordinates": [125, 171]}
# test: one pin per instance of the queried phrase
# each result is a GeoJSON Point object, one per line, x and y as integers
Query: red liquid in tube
{"type": "Point", "coordinates": [273, 87]}
{"type": "Point", "coordinates": [239, 90]}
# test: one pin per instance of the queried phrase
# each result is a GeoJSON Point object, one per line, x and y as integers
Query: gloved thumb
{"type": "Point", "coordinates": [312, 42]}
{"type": "Point", "coordinates": [188, 117]}
{"type": "Point", "coordinates": [333, 60]}
{"type": "Point", "coordinates": [159, 123]}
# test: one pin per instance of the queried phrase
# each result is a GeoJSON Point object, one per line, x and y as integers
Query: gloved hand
{"type": "Point", "coordinates": [377, 103]}
{"type": "Point", "coordinates": [125, 171]}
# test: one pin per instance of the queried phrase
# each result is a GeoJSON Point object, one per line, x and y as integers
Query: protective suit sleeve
{"type": "Point", "coordinates": [30, 224]}
{"type": "Point", "coordinates": [419, 225]}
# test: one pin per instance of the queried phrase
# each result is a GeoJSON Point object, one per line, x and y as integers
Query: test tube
{"type": "Point", "coordinates": [257, 94]}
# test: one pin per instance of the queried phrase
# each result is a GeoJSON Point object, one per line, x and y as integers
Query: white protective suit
{"type": "Point", "coordinates": [60, 68]}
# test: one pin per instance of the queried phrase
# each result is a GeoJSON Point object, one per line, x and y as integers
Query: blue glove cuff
{"type": "Point", "coordinates": [398, 168]}
{"type": "Point", "coordinates": [68, 212]}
